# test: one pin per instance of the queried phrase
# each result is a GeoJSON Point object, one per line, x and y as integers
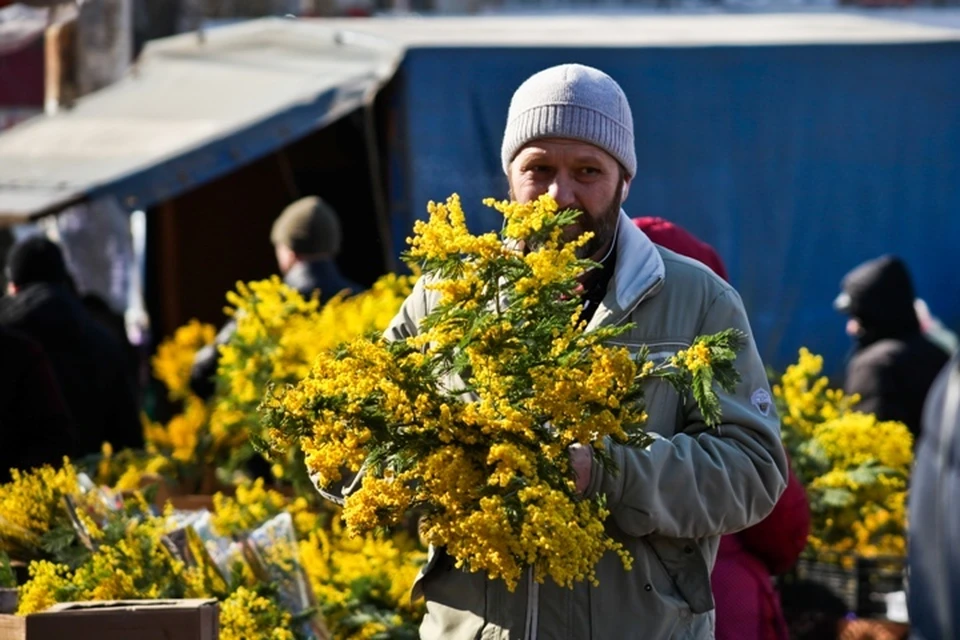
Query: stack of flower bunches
{"type": "Point", "coordinates": [361, 584]}
{"type": "Point", "coordinates": [82, 549]}
{"type": "Point", "coordinates": [470, 420]}
{"type": "Point", "coordinates": [278, 335]}
{"type": "Point", "coordinates": [192, 442]}
{"type": "Point", "coordinates": [855, 467]}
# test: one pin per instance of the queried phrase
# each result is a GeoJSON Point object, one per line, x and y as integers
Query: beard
{"type": "Point", "coordinates": [602, 223]}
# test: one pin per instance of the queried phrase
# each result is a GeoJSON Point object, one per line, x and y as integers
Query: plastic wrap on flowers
{"type": "Point", "coordinates": [274, 555]}
{"type": "Point", "coordinates": [223, 552]}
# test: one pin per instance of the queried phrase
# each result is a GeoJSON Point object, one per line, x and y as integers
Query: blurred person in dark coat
{"type": "Point", "coordinates": [35, 425]}
{"type": "Point", "coordinates": [933, 594]}
{"type": "Point", "coordinates": [114, 323]}
{"type": "Point", "coordinates": [88, 363]}
{"type": "Point", "coordinates": [306, 238]}
{"type": "Point", "coordinates": [893, 364]}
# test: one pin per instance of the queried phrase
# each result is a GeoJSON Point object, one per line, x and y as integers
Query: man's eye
{"type": "Point", "coordinates": [538, 168]}
{"type": "Point", "coordinates": [590, 171]}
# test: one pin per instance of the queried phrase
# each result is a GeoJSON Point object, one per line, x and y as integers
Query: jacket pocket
{"type": "Point", "coordinates": [683, 563]}
{"type": "Point", "coordinates": [456, 599]}
{"type": "Point", "coordinates": [661, 579]}
{"type": "Point", "coordinates": [433, 555]}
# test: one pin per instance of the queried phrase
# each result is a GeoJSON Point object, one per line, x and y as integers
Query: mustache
{"type": "Point", "coordinates": [574, 231]}
{"type": "Point", "coordinates": [604, 223]}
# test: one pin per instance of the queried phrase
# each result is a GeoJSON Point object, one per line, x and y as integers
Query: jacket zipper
{"type": "Point", "coordinates": [531, 627]}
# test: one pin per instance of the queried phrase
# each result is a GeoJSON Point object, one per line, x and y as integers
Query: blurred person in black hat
{"type": "Point", "coordinates": [893, 364]}
{"type": "Point", "coordinates": [87, 362]}
{"type": "Point", "coordinates": [306, 238]}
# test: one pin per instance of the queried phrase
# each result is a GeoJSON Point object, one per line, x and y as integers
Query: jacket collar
{"type": "Point", "coordinates": [318, 275]}
{"type": "Point", "coordinates": [639, 273]}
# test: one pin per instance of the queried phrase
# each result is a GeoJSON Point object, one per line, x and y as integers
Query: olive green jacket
{"type": "Point", "coordinates": [670, 502]}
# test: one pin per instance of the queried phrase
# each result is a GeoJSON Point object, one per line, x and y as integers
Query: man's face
{"type": "Point", "coordinates": [578, 176]}
{"type": "Point", "coordinates": [854, 328]}
{"type": "Point", "coordinates": [286, 258]}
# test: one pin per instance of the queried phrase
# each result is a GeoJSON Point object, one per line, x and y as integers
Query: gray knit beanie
{"type": "Point", "coordinates": [309, 226]}
{"type": "Point", "coordinates": [571, 101]}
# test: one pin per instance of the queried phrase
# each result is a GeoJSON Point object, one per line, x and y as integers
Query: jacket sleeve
{"type": "Point", "coordinates": [704, 481]}
{"type": "Point", "coordinates": [406, 324]}
{"type": "Point", "coordinates": [779, 538]}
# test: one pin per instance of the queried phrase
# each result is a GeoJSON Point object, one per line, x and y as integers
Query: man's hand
{"type": "Point", "coordinates": [581, 459]}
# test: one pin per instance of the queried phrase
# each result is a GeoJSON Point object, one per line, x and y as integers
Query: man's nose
{"type": "Point", "coordinates": [561, 190]}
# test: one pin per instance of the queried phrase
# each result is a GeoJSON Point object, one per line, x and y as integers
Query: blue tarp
{"type": "Point", "coordinates": [795, 162]}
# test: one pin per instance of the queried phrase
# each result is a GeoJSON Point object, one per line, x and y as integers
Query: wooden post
{"type": "Point", "coordinates": [60, 81]}
{"type": "Point", "coordinates": [168, 262]}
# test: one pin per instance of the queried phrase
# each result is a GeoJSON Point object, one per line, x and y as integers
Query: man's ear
{"type": "Point", "coordinates": [626, 189]}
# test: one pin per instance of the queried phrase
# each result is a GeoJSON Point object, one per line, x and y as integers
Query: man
{"type": "Point", "coordinates": [893, 363]}
{"type": "Point", "coordinates": [569, 133]}
{"type": "Point", "coordinates": [934, 553]}
{"type": "Point", "coordinates": [306, 239]}
{"type": "Point", "coordinates": [88, 364]}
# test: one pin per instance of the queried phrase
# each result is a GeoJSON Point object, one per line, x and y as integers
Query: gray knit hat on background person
{"type": "Point", "coordinates": [571, 101]}
{"type": "Point", "coordinates": [309, 226]}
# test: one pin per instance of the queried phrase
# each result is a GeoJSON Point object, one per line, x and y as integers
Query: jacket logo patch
{"type": "Point", "coordinates": [762, 401]}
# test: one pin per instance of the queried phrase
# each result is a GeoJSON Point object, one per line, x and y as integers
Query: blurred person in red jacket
{"type": "Point", "coordinates": [747, 603]}
{"type": "Point", "coordinates": [676, 238]}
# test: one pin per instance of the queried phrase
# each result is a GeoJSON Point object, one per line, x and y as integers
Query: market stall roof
{"type": "Point", "coordinates": [193, 108]}
{"type": "Point", "coordinates": [644, 30]}
{"type": "Point", "coordinates": [196, 108]}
